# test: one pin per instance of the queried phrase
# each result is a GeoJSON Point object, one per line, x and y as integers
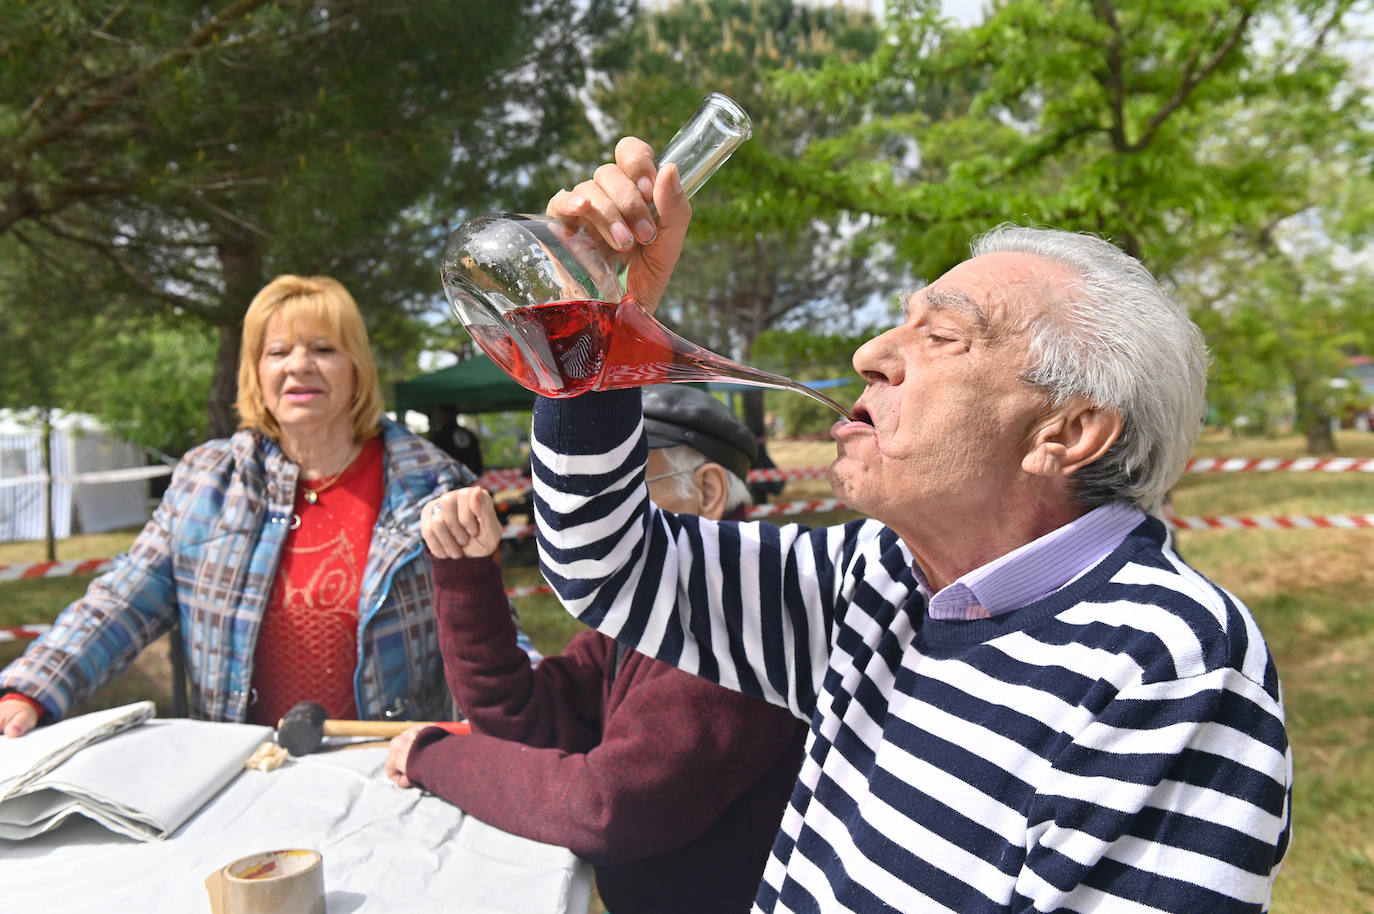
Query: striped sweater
{"type": "Point", "coordinates": [1118, 745]}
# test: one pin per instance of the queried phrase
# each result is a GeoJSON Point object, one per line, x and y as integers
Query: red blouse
{"type": "Point", "coordinates": [307, 648]}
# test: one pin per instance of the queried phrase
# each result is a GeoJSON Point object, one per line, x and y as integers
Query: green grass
{"type": "Point", "coordinates": [1310, 590]}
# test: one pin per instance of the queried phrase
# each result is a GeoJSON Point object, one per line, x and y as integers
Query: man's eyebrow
{"type": "Point", "coordinates": [958, 302]}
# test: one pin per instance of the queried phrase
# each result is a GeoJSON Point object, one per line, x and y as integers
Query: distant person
{"type": "Point", "coordinates": [457, 440]}
{"type": "Point", "coordinates": [672, 787]}
{"type": "Point", "coordinates": [290, 552]}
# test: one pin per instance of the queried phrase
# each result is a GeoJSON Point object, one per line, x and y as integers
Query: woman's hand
{"type": "Point", "coordinates": [17, 717]}
{"type": "Point", "coordinates": [398, 753]}
{"type": "Point", "coordinates": [461, 524]}
{"type": "Point", "coordinates": [614, 204]}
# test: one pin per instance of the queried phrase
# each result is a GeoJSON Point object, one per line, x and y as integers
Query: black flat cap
{"type": "Point", "coordinates": [676, 414]}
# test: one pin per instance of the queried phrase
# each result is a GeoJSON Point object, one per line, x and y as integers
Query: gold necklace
{"type": "Point", "coordinates": [312, 493]}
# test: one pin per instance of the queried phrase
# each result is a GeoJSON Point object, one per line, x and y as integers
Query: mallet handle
{"type": "Point", "coordinates": [387, 728]}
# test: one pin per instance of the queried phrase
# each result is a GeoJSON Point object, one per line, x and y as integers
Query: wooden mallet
{"type": "Point", "coordinates": [305, 725]}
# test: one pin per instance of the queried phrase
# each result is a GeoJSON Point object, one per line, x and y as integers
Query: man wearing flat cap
{"type": "Point", "coordinates": [691, 432]}
{"type": "Point", "coordinates": [672, 787]}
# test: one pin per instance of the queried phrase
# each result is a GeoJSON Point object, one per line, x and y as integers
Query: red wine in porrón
{"type": "Point", "coordinates": [595, 345]}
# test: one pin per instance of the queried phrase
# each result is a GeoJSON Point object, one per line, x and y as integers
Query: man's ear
{"type": "Point", "coordinates": [714, 485]}
{"type": "Point", "coordinates": [1072, 438]}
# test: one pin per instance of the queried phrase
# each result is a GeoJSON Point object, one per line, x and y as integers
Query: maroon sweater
{"type": "Point", "coordinates": [670, 786]}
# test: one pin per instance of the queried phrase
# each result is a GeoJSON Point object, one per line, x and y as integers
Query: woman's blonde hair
{"type": "Point", "coordinates": [315, 301]}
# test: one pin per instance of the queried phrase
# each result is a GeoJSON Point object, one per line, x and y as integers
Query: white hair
{"type": "Point", "coordinates": [1115, 337]}
{"type": "Point", "coordinates": [682, 459]}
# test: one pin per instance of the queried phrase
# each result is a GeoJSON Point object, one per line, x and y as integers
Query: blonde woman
{"type": "Point", "coordinates": [290, 552]}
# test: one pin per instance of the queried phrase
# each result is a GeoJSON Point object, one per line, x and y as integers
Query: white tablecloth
{"type": "Point", "coordinates": [386, 850]}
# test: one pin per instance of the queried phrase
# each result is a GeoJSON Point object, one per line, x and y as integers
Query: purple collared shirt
{"type": "Point", "coordinates": [1038, 568]}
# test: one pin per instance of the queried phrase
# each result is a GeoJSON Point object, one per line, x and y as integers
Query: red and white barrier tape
{"type": "Point", "coordinates": [778, 473]}
{"type": "Point", "coordinates": [53, 569]}
{"type": "Point", "coordinates": [1326, 522]}
{"type": "Point", "coordinates": [795, 507]}
{"type": "Point", "coordinates": [1272, 464]}
{"type": "Point", "coordinates": [528, 591]}
{"type": "Point", "coordinates": [1196, 465]}
{"type": "Point", "coordinates": [22, 632]}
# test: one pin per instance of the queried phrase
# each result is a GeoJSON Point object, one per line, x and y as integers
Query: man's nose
{"type": "Point", "coordinates": [876, 359]}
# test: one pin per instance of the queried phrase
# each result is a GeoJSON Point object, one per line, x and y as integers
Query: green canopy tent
{"type": "Point", "coordinates": [473, 386]}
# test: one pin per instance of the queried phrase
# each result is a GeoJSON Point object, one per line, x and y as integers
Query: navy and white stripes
{"type": "Point", "coordinates": [1117, 744]}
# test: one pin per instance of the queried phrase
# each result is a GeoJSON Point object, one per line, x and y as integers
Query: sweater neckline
{"type": "Point", "coordinates": [1148, 534]}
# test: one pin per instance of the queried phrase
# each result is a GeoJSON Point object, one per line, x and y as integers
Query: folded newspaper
{"type": "Point", "coordinates": [133, 774]}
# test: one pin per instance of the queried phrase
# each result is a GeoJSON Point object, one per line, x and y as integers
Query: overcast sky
{"type": "Point", "coordinates": [966, 11]}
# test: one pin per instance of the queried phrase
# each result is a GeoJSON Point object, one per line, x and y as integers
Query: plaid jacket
{"type": "Point", "coordinates": [210, 552]}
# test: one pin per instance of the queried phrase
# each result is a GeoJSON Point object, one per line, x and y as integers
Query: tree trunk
{"type": "Point", "coordinates": [751, 405]}
{"type": "Point", "coordinates": [751, 310]}
{"type": "Point", "coordinates": [1313, 420]}
{"type": "Point", "coordinates": [224, 386]}
{"type": "Point", "coordinates": [1311, 410]}
{"type": "Point", "coordinates": [1320, 441]}
{"type": "Point", "coordinates": [241, 264]}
